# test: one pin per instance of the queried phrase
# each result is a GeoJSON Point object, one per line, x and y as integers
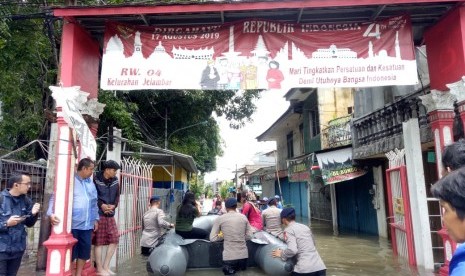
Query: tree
{"type": "Point", "coordinates": [147, 112]}
{"type": "Point", "coordinates": [26, 71]}
{"type": "Point", "coordinates": [224, 189]}
{"type": "Point", "coordinates": [197, 185]}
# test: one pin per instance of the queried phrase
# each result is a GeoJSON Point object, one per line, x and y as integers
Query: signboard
{"type": "Point", "coordinates": [399, 206]}
{"type": "Point", "coordinates": [299, 169]}
{"type": "Point", "coordinates": [336, 166]}
{"type": "Point", "coordinates": [258, 54]}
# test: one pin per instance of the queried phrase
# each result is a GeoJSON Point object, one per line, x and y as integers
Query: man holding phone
{"type": "Point", "coordinates": [16, 212]}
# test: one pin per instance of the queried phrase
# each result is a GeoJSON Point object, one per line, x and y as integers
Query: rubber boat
{"type": "Point", "coordinates": [175, 255]}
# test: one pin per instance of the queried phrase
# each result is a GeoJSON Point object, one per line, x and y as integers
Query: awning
{"type": "Point", "coordinates": [336, 165]}
{"type": "Point", "coordinates": [159, 157]}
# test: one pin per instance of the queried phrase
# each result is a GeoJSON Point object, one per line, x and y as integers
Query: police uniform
{"type": "Point", "coordinates": [272, 221]}
{"type": "Point", "coordinates": [154, 227]}
{"type": "Point", "coordinates": [235, 229]}
{"type": "Point", "coordinates": [299, 240]}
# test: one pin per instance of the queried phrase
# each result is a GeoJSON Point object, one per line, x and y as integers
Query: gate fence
{"type": "Point", "coordinates": [135, 191]}
{"type": "Point", "coordinates": [399, 206]}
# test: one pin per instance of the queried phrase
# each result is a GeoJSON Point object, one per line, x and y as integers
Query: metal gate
{"type": "Point", "coordinates": [400, 220]}
{"type": "Point", "coordinates": [320, 201]}
{"type": "Point", "coordinates": [135, 191]}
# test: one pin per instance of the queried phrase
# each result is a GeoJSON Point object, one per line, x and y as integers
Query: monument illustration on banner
{"type": "Point", "coordinates": [159, 53]}
{"type": "Point", "coordinates": [334, 52]}
{"type": "Point", "coordinates": [205, 54]}
{"type": "Point", "coordinates": [231, 54]}
{"type": "Point", "coordinates": [115, 48]}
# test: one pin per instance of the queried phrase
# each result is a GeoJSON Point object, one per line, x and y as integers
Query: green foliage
{"type": "Point", "coordinates": [118, 113]}
{"type": "Point", "coordinates": [26, 70]}
{"type": "Point", "coordinates": [185, 117]}
{"type": "Point", "coordinates": [239, 108]}
{"type": "Point", "coordinates": [197, 185]}
{"type": "Point", "coordinates": [208, 191]}
{"type": "Point", "coordinates": [224, 189]}
{"type": "Point", "coordinates": [28, 66]}
{"type": "Point", "coordinates": [129, 2]}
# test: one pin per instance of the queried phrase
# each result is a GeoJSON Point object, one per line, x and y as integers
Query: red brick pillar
{"type": "Point", "coordinates": [440, 106]}
{"type": "Point", "coordinates": [61, 241]}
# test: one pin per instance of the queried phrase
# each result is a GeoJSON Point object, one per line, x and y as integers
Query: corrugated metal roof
{"type": "Point", "coordinates": [163, 157]}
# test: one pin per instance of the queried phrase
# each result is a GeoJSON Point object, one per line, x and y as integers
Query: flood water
{"type": "Point", "coordinates": [343, 255]}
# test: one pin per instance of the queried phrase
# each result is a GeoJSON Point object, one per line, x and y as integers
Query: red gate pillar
{"type": "Point", "coordinates": [61, 241]}
{"type": "Point", "coordinates": [440, 106]}
{"type": "Point", "coordinates": [79, 66]}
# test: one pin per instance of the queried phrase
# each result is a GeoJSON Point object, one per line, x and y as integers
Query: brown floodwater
{"type": "Point", "coordinates": [343, 255]}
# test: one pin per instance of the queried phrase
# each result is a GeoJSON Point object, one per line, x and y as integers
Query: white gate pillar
{"type": "Point", "coordinates": [417, 192]}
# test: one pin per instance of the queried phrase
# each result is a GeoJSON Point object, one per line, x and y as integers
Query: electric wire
{"type": "Point", "coordinates": [144, 126]}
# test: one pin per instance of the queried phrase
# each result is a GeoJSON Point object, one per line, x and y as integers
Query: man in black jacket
{"type": "Point", "coordinates": [107, 186]}
{"type": "Point", "coordinates": [16, 211]}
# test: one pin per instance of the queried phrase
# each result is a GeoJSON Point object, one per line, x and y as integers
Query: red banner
{"type": "Point", "coordinates": [259, 54]}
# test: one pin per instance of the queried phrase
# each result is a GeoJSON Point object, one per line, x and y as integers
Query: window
{"type": "Point", "coordinates": [314, 123]}
{"type": "Point", "coordinates": [290, 144]}
{"type": "Point", "coordinates": [350, 109]}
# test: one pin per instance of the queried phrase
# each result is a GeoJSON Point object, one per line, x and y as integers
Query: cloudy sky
{"type": "Point", "coordinates": [240, 145]}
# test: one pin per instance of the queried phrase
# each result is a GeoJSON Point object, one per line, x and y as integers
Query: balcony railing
{"type": "Point", "coordinates": [381, 130]}
{"type": "Point", "coordinates": [337, 133]}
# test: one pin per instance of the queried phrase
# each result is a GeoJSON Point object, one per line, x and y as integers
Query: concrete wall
{"type": "Point", "coordinates": [334, 103]}
{"type": "Point", "coordinates": [379, 202]}
{"type": "Point", "coordinates": [367, 100]}
{"type": "Point", "coordinates": [159, 174]}
{"type": "Point", "coordinates": [281, 147]}
{"type": "Point", "coordinates": [268, 188]}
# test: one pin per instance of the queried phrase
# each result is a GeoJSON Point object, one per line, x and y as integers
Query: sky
{"type": "Point", "coordinates": [241, 145]}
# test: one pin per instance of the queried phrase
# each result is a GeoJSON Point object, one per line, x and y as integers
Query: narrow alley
{"type": "Point", "coordinates": [344, 255]}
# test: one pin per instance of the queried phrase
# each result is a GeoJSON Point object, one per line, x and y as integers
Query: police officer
{"type": "Point", "coordinates": [155, 226]}
{"type": "Point", "coordinates": [299, 240]}
{"type": "Point", "coordinates": [272, 219]}
{"type": "Point", "coordinates": [234, 229]}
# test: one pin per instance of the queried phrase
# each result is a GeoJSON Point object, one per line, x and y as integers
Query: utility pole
{"type": "Point", "coordinates": [166, 128]}
{"type": "Point", "coordinates": [277, 176]}
{"type": "Point", "coordinates": [235, 178]}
